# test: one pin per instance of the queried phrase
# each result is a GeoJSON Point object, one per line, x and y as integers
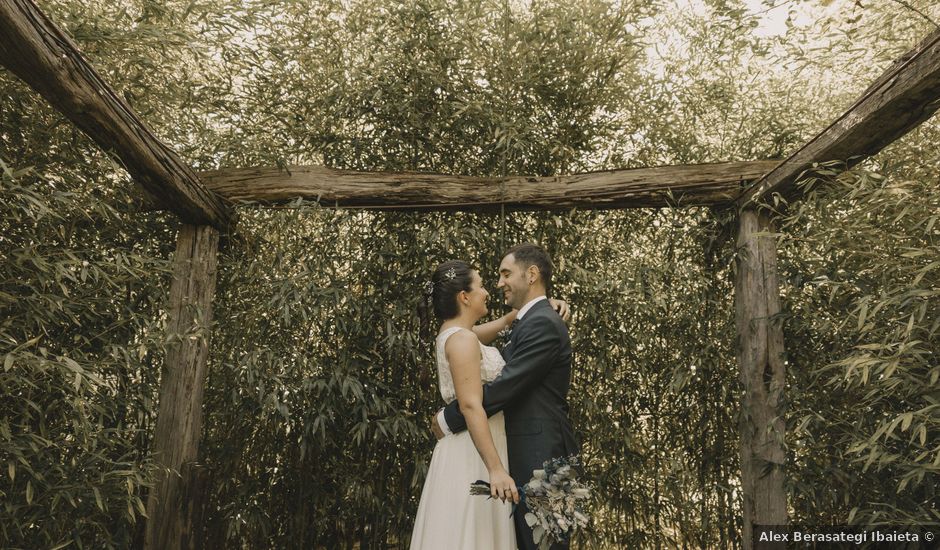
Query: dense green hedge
{"type": "Point", "coordinates": [863, 262]}
{"type": "Point", "coordinates": [80, 293]}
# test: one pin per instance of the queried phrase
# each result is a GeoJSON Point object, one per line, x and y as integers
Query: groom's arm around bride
{"type": "Point", "coordinates": [536, 349]}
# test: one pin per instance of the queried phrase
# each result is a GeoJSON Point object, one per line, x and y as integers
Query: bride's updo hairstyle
{"type": "Point", "coordinates": [440, 293]}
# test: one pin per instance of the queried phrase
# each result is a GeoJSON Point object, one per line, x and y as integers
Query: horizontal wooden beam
{"type": "Point", "coordinates": [907, 94]}
{"type": "Point", "coordinates": [37, 51]}
{"type": "Point", "coordinates": [701, 184]}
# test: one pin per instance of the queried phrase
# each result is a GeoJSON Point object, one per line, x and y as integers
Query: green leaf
{"type": "Point", "coordinates": [906, 421]}
{"type": "Point", "coordinates": [862, 314]}
{"type": "Point", "coordinates": [140, 507]}
{"type": "Point", "coordinates": [98, 498]}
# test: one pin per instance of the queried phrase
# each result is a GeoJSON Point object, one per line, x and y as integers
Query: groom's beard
{"type": "Point", "coordinates": [514, 300]}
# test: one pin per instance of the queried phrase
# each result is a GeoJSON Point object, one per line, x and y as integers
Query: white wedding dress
{"type": "Point", "coordinates": [448, 517]}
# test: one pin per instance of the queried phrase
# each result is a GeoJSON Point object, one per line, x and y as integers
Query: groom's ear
{"type": "Point", "coordinates": [534, 272]}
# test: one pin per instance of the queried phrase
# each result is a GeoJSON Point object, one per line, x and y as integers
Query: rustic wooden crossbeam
{"type": "Point", "coordinates": [905, 95]}
{"type": "Point", "coordinates": [38, 52]}
{"type": "Point", "coordinates": [699, 184]}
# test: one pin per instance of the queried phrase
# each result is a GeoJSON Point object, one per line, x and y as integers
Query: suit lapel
{"type": "Point", "coordinates": [507, 350]}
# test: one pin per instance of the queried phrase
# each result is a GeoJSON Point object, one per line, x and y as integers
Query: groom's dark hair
{"type": "Point", "coordinates": [529, 254]}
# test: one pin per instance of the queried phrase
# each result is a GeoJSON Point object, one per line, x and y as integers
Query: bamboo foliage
{"type": "Point", "coordinates": [319, 389]}
{"type": "Point", "coordinates": [875, 335]}
{"type": "Point", "coordinates": [81, 338]}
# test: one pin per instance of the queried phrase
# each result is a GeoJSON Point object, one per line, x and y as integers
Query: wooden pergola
{"type": "Point", "coordinates": [37, 51]}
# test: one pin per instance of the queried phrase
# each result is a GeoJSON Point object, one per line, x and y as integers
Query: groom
{"type": "Point", "coordinates": [533, 386]}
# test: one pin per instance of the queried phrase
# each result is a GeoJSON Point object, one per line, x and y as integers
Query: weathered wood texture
{"type": "Point", "coordinates": [904, 96]}
{"type": "Point", "coordinates": [38, 52]}
{"type": "Point", "coordinates": [760, 353]}
{"type": "Point", "coordinates": [172, 514]}
{"type": "Point", "coordinates": [699, 184]}
{"type": "Point", "coordinates": [194, 480]}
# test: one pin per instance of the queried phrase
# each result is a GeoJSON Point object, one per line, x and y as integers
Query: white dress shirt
{"type": "Point", "coordinates": [525, 309]}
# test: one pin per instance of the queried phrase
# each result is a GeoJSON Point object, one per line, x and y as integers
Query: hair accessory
{"type": "Point", "coordinates": [451, 273]}
{"type": "Point", "coordinates": [428, 288]}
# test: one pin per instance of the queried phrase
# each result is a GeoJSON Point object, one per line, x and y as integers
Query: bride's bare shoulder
{"type": "Point", "coordinates": [461, 342]}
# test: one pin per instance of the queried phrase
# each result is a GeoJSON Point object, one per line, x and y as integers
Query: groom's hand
{"type": "Point", "coordinates": [436, 428]}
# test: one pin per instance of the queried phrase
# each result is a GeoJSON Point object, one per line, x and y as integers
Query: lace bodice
{"type": "Point", "coordinates": [492, 365]}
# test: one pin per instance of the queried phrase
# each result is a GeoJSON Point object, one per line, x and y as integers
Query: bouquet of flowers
{"type": "Point", "coordinates": [555, 499]}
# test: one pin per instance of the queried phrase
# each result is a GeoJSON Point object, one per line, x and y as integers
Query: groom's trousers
{"type": "Point", "coordinates": [530, 443]}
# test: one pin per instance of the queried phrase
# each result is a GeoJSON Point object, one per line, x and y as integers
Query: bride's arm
{"type": "Point", "coordinates": [463, 355]}
{"type": "Point", "coordinates": [487, 332]}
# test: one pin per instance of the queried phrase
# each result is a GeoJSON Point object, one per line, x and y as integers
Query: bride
{"type": "Point", "coordinates": [448, 516]}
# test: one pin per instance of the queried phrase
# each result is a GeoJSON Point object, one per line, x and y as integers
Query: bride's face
{"type": "Point", "coordinates": [475, 300]}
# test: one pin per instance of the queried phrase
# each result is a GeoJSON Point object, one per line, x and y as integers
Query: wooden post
{"type": "Point", "coordinates": [170, 507]}
{"type": "Point", "coordinates": [762, 371]}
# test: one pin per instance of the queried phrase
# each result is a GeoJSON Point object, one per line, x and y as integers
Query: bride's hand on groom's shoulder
{"type": "Point", "coordinates": [562, 308]}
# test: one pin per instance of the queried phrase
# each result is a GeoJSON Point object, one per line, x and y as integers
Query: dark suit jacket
{"type": "Point", "coordinates": [532, 392]}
